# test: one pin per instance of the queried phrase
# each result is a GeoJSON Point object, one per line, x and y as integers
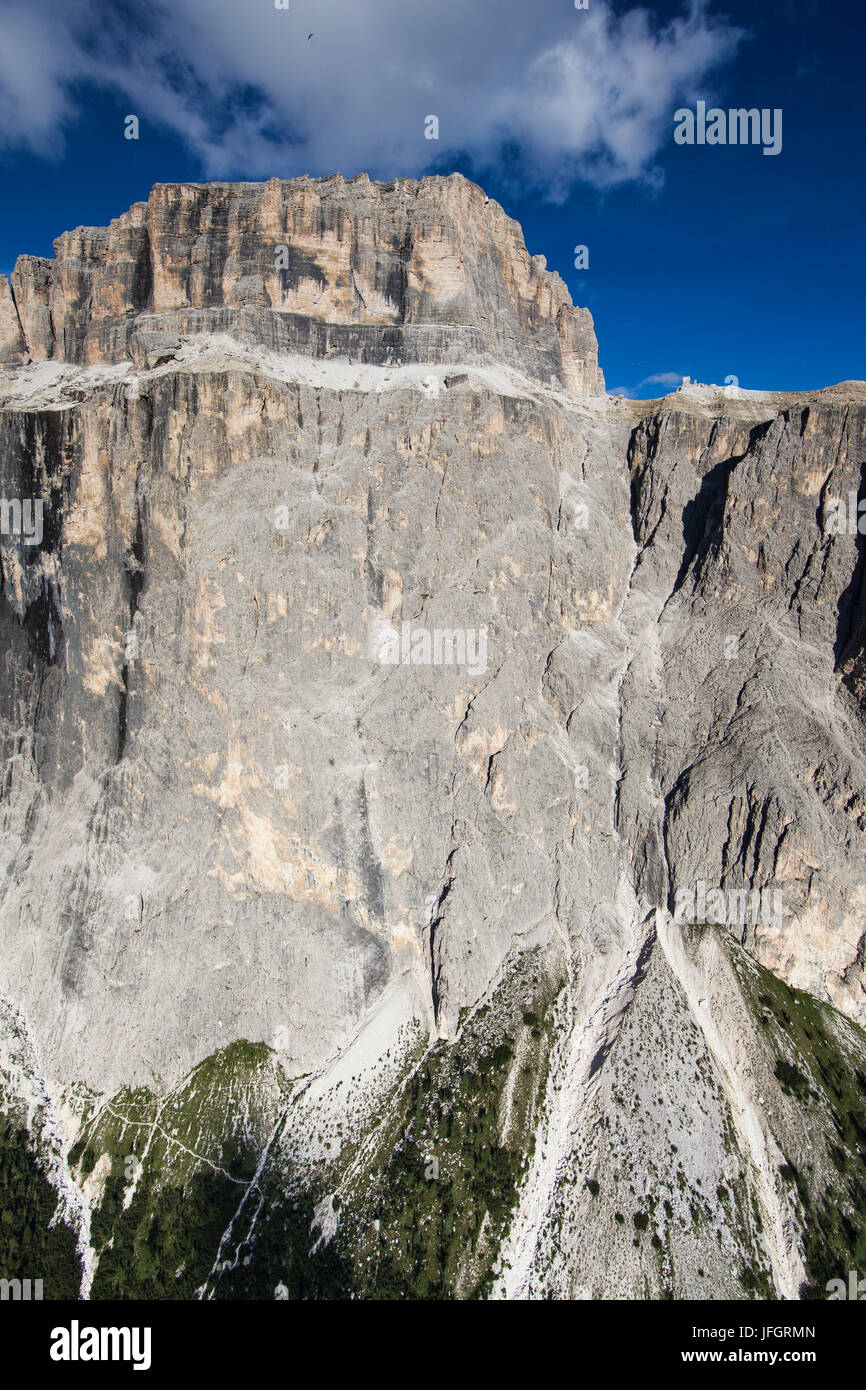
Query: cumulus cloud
{"type": "Point", "coordinates": [552, 93]}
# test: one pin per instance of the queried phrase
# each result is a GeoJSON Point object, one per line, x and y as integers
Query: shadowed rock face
{"type": "Point", "coordinates": [404, 272]}
{"type": "Point", "coordinates": [369, 705]}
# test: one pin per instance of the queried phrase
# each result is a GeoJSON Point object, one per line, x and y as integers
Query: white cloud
{"type": "Point", "coordinates": [671, 380]}
{"type": "Point", "coordinates": [35, 80]}
{"type": "Point", "coordinates": [560, 94]}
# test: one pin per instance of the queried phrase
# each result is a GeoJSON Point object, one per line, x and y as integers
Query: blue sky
{"type": "Point", "coordinates": [705, 261]}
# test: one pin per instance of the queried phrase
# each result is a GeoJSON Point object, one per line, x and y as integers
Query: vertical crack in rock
{"type": "Point", "coordinates": [437, 918]}
{"type": "Point", "coordinates": [134, 578]}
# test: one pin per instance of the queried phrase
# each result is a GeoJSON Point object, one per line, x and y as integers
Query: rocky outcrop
{"type": "Point", "coordinates": [13, 349]}
{"type": "Point", "coordinates": [382, 273]}
{"type": "Point", "coordinates": [371, 706]}
{"type": "Point", "coordinates": [760, 610]}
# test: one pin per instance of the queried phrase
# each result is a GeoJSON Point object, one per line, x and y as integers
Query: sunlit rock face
{"type": "Point", "coordinates": [380, 273]}
{"type": "Point", "coordinates": [420, 768]}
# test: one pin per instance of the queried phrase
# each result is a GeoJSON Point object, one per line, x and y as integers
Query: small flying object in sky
{"type": "Point", "coordinates": [310, 36]}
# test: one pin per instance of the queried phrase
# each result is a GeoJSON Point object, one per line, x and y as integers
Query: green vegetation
{"type": "Point", "coordinates": [820, 1062]}
{"type": "Point", "coordinates": [421, 1200]}
{"type": "Point", "coordinates": [174, 1174]}
{"type": "Point", "coordinates": [164, 1245]}
{"type": "Point", "coordinates": [30, 1247]}
{"type": "Point", "coordinates": [423, 1220]}
{"type": "Point", "coordinates": [464, 1136]}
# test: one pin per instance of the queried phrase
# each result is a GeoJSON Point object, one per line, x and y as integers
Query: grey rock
{"type": "Point", "coordinates": [244, 802]}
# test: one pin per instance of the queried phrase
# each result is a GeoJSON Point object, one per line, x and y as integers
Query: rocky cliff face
{"type": "Point", "coordinates": [432, 814]}
{"type": "Point", "coordinates": [403, 272]}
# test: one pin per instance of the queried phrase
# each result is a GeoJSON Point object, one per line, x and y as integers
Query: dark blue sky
{"type": "Point", "coordinates": [733, 263]}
